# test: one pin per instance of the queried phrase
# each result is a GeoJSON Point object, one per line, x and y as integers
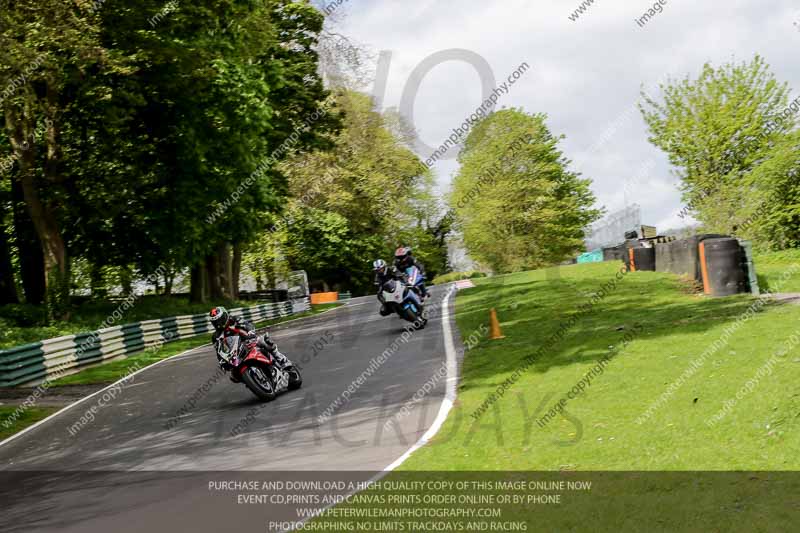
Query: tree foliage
{"type": "Point", "coordinates": [515, 201]}
{"type": "Point", "coordinates": [731, 134]}
{"type": "Point", "coordinates": [354, 203]}
{"type": "Point", "coordinates": [128, 124]}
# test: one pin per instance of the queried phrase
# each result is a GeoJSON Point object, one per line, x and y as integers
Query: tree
{"type": "Point", "coordinates": [514, 199]}
{"type": "Point", "coordinates": [364, 197]}
{"type": "Point", "coordinates": [8, 286]}
{"type": "Point", "coordinates": [129, 126]}
{"type": "Point", "coordinates": [726, 134]}
{"type": "Point", "coordinates": [45, 45]}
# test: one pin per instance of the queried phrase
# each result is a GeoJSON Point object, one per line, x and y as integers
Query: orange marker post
{"type": "Point", "coordinates": [494, 326]}
{"type": "Point", "coordinates": [704, 268]}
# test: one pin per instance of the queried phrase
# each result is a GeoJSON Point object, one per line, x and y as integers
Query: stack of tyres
{"type": "Point", "coordinates": [615, 253]}
{"type": "Point", "coordinates": [721, 264]}
{"type": "Point", "coordinates": [682, 257]}
{"type": "Point", "coordinates": [629, 245]}
{"type": "Point", "coordinates": [642, 259]}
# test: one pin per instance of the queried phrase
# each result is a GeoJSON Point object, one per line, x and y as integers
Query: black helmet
{"type": "Point", "coordinates": [219, 317]}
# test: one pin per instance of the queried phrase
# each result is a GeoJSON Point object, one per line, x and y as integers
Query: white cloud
{"type": "Point", "coordinates": [585, 74]}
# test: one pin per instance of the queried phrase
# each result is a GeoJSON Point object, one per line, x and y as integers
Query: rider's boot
{"type": "Point", "coordinates": [271, 349]}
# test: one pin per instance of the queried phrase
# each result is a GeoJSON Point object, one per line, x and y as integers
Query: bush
{"type": "Point", "coordinates": [23, 315]}
{"type": "Point", "coordinates": [456, 276]}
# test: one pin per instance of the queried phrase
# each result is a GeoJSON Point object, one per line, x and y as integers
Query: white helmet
{"type": "Point", "coordinates": [379, 265]}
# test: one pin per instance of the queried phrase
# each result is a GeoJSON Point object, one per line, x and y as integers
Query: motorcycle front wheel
{"type": "Point", "coordinates": [411, 316]}
{"type": "Point", "coordinates": [260, 383]}
{"type": "Point", "coordinates": [295, 379]}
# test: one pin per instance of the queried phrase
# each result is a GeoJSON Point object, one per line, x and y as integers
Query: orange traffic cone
{"type": "Point", "coordinates": [494, 326]}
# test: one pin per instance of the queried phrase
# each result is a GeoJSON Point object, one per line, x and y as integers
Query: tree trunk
{"type": "Point", "coordinates": [56, 265]}
{"type": "Point", "coordinates": [97, 281]}
{"type": "Point", "coordinates": [197, 291]}
{"type": "Point", "coordinates": [31, 259]}
{"type": "Point", "coordinates": [236, 269]}
{"type": "Point", "coordinates": [126, 280]}
{"type": "Point", "coordinates": [225, 270]}
{"type": "Point", "coordinates": [8, 289]}
{"type": "Point", "coordinates": [168, 279]}
{"type": "Point", "coordinates": [214, 285]}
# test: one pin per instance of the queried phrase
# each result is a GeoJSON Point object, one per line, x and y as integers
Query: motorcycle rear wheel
{"type": "Point", "coordinates": [260, 383]}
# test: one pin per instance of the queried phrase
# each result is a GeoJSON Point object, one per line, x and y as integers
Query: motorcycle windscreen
{"type": "Point", "coordinates": [230, 346]}
{"type": "Point", "coordinates": [413, 275]}
{"type": "Point", "coordinates": [390, 286]}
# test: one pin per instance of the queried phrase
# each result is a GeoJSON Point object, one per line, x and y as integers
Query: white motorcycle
{"type": "Point", "coordinates": [401, 296]}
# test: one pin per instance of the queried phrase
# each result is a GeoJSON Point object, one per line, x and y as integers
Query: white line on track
{"type": "Point", "coordinates": [450, 391]}
{"type": "Point", "coordinates": [444, 408]}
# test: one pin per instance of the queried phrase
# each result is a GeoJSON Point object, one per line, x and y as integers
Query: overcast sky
{"type": "Point", "coordinates": [584, 74]}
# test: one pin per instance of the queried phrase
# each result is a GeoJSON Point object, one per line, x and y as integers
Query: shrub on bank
{"type": "Point", "coordinates": [456, 276]}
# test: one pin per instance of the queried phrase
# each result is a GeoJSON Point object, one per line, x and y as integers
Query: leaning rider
{"type": "Point", "coordinates": [227, 325]}
{"type": "Point", "coordinates": [382, 275]}
{"type": "Point", "coordinates": [403, 260]}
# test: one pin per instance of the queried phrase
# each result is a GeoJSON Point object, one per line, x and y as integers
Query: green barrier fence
{"type": "Point", "coordinates": [31, 364]}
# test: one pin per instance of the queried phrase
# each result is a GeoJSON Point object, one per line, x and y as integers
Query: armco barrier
{"type": "Point", "coordinates": [53, 358]}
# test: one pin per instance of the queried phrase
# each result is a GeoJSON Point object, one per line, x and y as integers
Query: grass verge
{"type": "Point", "coordinates": [603, 428]}
{"type": "Point", "coordinates": [770, 266]}
{"type": "Point", "coordinates": [27, 418]}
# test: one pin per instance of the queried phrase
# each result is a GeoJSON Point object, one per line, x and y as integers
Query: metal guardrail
{"type": "Point", "coordinates": [345, 296]}
{"type": "Point", "coordinates": [280, 295]}
{"type": "Point", "coordinates": [53, 358]}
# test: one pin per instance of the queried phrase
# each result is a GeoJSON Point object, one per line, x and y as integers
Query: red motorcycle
{"type": "Point", "coordinates": [259, 371]}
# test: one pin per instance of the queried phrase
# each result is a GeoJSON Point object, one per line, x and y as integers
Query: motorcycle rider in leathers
{"type": "Point", "coordinates": [227, 325]}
